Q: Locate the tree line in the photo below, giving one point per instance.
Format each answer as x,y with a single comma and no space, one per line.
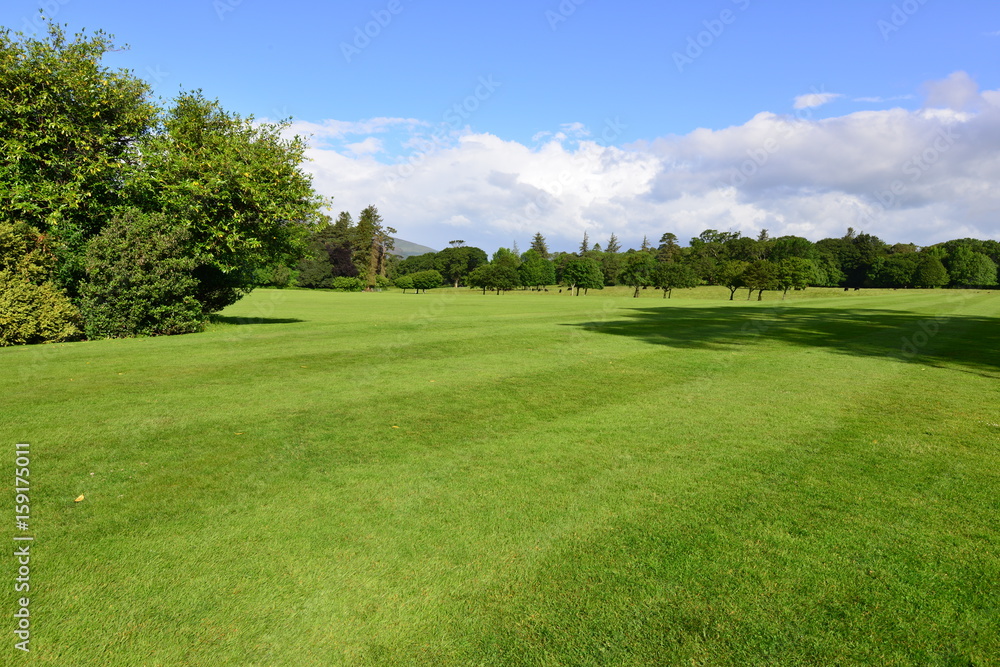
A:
728,259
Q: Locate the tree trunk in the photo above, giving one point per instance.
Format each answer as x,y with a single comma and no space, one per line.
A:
760,295
636,295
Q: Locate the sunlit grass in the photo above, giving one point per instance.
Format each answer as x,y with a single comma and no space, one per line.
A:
529,479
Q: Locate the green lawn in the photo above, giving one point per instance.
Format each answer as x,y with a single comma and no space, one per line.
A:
527,479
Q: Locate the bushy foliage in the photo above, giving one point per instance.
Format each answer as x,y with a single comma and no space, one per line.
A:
32,308
669,276
969,268
139,279
348,284
637,270
425,280
69,130
404,283
536,271
930,272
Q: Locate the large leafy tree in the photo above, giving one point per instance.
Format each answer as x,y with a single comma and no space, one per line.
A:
930,272
457,262
535,270
791,246
235,184
894,271
583,273
969,268
506,265
760,277
637,270
69,132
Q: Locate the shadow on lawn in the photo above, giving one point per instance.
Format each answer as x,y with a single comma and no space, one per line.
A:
972,341
225,319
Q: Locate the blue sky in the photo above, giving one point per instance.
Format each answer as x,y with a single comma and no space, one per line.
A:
490,121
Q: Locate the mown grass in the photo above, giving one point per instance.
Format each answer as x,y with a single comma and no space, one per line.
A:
529,479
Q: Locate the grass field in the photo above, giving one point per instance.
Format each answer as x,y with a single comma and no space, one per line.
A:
527,479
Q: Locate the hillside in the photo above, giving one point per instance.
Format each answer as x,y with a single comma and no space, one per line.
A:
408,249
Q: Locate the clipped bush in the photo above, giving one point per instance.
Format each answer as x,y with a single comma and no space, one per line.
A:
139,280
31,313
32,308
381,282
347,284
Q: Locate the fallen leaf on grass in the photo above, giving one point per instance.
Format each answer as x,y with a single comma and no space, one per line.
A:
79,499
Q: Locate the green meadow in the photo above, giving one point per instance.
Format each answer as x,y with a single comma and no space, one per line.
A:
454,478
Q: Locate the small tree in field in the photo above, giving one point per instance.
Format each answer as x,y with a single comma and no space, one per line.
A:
583,273
637,270
794,272
730,274
404,283
425,280
759,277
481,277
536,271
673,275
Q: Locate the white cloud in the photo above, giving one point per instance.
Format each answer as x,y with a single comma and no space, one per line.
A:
958,92
369,146
880,100
575,129
923,176
329,130
813,100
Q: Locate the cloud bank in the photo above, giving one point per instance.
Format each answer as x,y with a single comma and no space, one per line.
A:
922,176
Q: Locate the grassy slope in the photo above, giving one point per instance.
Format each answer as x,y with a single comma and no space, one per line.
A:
526,479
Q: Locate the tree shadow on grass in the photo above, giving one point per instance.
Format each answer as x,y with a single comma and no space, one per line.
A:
972,341
225,319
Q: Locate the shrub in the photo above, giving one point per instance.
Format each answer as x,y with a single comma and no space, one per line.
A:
381,282
348,284
139,280
31,313
32,308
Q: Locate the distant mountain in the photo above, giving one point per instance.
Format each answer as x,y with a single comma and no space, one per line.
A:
407,249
